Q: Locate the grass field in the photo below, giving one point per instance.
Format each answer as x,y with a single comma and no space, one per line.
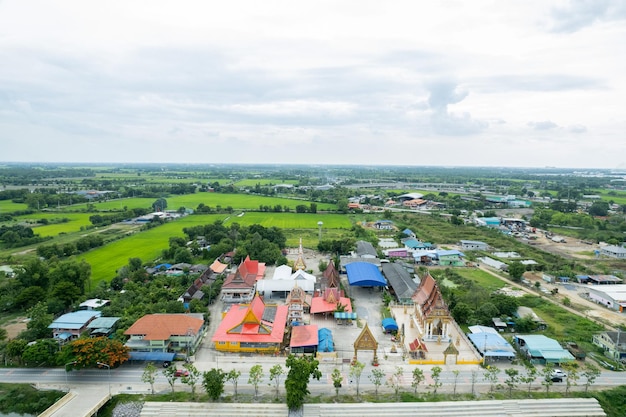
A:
76,220
8,206
147,245
236,201
292,220
484,279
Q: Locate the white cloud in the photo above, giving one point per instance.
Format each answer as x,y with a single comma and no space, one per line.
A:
250,80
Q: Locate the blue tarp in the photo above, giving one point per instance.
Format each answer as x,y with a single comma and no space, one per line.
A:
325,340
390,324
152,356
364,274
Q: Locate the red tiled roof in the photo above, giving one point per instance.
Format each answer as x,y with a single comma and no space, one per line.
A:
304,336
163,326
417,344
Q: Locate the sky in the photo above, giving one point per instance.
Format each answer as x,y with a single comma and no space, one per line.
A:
529,83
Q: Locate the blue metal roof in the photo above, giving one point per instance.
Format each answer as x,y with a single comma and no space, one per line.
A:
75,320
363,274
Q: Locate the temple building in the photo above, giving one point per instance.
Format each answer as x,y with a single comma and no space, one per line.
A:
431,314
254,327
240,286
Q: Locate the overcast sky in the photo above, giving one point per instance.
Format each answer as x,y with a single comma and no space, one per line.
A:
486,83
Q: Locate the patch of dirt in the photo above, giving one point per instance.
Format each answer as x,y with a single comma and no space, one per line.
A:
14,327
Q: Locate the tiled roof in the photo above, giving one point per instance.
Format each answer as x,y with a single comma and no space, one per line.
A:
163,326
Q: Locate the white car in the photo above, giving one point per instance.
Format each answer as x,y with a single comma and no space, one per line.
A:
557,373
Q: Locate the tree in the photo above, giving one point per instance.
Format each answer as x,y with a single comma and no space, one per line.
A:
337,380
516,270
301,369
591,372
546,374
418,378
170,375
15,349
395,379
233,376
213,383
491,375
66,292
37,326
572,375
529,377
149,375
256,375
512,379
377,377
456,378
41,352
356,369
435,373
88,351
191,377
276,372
160,204
474,378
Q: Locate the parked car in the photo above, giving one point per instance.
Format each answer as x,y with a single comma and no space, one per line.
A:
557,375
181,372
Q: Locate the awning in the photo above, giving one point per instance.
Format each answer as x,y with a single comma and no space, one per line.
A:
152,356
345,315
390,324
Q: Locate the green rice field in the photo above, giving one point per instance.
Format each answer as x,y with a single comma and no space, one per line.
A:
192,201
291,220
76,221
8,206
147,245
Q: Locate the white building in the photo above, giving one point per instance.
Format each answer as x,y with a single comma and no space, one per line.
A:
473,245
613,251
611,296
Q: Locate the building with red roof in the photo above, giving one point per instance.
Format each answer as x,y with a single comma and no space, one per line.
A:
240,286
253,327
329,300
304,339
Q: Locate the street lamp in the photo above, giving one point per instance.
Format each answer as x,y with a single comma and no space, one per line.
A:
67,384
109,368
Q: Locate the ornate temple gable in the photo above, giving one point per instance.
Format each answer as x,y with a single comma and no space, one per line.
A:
331,275
366,340
297,295
299,263
331,295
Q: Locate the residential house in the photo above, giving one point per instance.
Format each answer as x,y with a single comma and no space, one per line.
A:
613,344
177,333
103,326
253,327
473,245
71,325
451,258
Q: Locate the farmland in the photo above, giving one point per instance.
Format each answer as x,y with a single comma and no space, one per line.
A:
147,245
8,206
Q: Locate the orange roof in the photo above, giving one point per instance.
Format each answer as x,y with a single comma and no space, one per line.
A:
218,267
245,323
304,336
164,326
320,305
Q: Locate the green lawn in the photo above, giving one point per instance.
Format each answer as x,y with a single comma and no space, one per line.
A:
237,201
